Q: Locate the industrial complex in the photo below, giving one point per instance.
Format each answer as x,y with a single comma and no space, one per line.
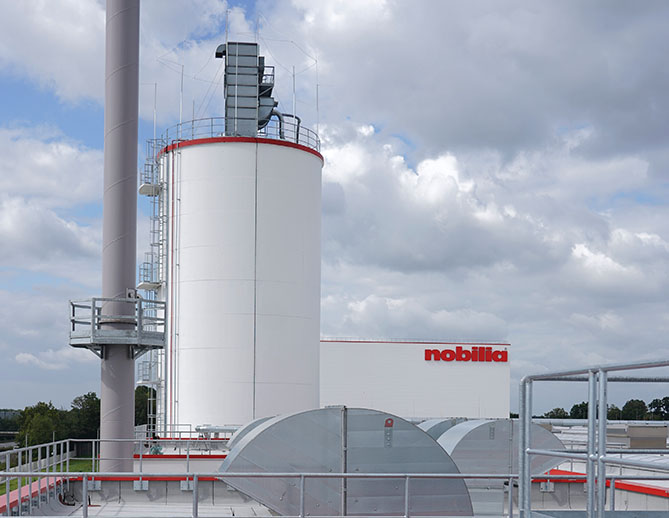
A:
253,413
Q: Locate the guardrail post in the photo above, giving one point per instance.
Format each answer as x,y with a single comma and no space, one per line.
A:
47,468
612,492
195,495
590,466
527,504
188,455
20,468
92,318
521,453
301,496
511,497
601,445
84,495
30,481
406,496
67,464
39,468
60,468
8,458
140,324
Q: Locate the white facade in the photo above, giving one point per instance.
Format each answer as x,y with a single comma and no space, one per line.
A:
417,379
243,279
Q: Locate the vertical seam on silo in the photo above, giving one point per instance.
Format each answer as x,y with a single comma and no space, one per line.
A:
255,278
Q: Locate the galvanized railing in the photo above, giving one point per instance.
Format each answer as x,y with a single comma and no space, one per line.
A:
89,479
290,130
596,457
301,477
144,322
57,481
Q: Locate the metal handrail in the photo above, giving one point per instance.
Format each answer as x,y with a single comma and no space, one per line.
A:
292,131
195,476
144,318
596,458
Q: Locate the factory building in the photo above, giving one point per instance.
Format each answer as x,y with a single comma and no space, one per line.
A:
418,379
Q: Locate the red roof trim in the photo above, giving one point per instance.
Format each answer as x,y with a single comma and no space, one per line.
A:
632,487
192,456
194,439
214,140
418,342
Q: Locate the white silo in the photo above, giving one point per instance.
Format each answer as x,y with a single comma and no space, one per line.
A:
241,257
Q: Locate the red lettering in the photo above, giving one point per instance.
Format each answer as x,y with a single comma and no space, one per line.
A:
448,355
462,355
475,354
499,356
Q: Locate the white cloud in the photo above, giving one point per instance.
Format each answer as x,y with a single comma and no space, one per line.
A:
59,46
42,164
471,247
56,359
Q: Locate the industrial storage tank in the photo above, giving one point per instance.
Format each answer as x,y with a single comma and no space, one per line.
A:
241,260
244,270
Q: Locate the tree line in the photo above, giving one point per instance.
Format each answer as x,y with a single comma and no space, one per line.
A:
632,410
43,422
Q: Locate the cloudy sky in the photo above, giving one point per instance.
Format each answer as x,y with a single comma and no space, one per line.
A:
494,170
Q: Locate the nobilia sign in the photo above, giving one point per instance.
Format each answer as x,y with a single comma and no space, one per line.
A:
473,354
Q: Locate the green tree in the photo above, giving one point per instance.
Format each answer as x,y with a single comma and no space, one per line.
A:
579,411
557,413
84,417
634,410
9,419
41,423
144,396
613,412
659,408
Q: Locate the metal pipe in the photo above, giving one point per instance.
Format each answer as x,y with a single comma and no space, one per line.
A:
8,458
30,482
510,497
607,368
526,447
302,496
39,468
618,379
615,461
590,463
19,466
406,496
566,454
521,442
67,463
612,492
601,445
344,458
84,496
119,225
195,491
279,116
